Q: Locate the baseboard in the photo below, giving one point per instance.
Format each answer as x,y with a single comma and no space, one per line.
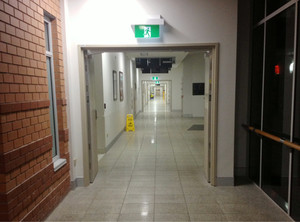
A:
225,181
187,115
78,182
114,140
137,113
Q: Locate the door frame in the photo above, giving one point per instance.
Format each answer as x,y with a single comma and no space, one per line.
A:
213,47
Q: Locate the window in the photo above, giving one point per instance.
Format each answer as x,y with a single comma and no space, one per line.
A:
51,89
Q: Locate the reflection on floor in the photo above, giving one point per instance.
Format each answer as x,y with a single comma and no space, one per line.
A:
155,174
158,104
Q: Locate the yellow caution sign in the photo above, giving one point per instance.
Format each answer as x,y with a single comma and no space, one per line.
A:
130,123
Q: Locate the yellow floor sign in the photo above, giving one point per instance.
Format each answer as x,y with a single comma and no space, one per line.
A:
130,123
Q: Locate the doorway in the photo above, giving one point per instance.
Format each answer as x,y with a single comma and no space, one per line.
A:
210,147
156,97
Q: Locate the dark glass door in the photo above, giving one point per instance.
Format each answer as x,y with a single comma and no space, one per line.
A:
256,101
278,85
295,195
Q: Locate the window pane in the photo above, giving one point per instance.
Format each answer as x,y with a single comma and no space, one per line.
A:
278,79
275,171
295,197
273,5
47,39
256,100
258,10
52,113
277,104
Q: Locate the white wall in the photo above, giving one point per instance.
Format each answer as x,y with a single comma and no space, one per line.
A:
102,22
116,110
193,72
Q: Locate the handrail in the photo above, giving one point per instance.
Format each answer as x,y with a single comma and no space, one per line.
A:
272,137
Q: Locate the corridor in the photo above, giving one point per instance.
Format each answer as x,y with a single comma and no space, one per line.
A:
155,174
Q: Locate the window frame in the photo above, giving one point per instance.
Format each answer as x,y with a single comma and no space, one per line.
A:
58,162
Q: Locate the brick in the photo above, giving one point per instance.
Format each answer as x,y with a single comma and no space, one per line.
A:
33,63
13,3
18,143
12,135
24,44
27,139
17,60
10,98
8,9
10,29
32,46
30,12
6,58
11,184
18,79
18,14
20,33
6,127
17,125
2,26
23,26
5,38
21,52
15,41
4,17
25,62
23,88
8,146
29,54
22,7
25,122
3,47
11,49
3,68
13,68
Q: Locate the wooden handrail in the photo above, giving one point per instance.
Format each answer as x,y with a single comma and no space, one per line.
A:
272,137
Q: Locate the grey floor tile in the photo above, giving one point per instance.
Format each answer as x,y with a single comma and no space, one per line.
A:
156,174
171,217
137,208
101,217
204,209
139,198
136,217
169,198
207,217
170,208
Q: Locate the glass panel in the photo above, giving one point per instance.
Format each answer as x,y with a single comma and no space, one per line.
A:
258,10
277,104
275,171
47,39
278,79
256,100
52,113
273,5
295,197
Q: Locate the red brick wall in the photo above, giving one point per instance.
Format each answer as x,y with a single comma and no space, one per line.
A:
29,187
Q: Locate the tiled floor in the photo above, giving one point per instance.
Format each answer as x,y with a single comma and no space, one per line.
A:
155,174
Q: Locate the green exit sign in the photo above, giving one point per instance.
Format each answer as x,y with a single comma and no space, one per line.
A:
156,82
154,77
146,31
